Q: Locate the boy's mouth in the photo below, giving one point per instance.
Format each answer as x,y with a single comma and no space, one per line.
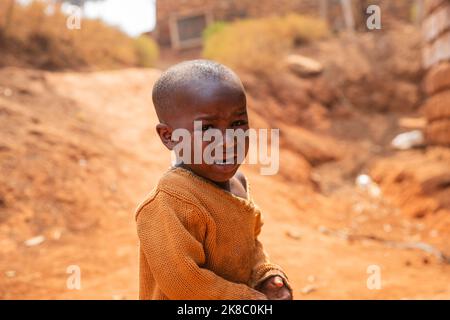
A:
224,162
225,165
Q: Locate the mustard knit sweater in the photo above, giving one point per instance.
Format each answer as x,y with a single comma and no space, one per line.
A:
198,241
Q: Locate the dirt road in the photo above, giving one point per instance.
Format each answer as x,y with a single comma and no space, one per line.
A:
78,152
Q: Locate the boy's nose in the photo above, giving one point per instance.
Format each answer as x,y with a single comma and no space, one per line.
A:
227,144
227,141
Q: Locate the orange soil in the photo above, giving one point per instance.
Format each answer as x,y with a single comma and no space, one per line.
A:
78,152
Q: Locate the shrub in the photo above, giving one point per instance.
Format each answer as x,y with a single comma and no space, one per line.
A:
41,39
146,50
214,28
303,29
258,45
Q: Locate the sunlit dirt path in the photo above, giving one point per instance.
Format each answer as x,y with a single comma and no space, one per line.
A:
117,105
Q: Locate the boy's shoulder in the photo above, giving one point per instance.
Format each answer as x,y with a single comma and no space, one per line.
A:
173,189
179,187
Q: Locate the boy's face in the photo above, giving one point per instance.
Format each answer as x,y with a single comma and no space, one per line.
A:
218,105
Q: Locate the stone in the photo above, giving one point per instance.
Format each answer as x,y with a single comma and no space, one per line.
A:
303,66
438,132
438,51
437,79
170,12
309,289
437,107
436,23
35,241
432,5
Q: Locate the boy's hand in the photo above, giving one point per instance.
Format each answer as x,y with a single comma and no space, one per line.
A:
275,289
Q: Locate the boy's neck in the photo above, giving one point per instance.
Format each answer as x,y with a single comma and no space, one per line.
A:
223,185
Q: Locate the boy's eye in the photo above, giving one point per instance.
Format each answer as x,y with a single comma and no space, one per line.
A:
239,123
206,127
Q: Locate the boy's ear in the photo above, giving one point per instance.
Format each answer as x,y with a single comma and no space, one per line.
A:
165,134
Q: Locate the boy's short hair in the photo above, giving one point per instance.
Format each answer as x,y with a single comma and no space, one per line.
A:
179,76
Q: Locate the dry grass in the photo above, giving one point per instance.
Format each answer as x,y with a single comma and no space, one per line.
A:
147,51
258,45
35,38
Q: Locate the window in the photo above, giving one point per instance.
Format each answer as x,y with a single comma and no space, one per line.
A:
186,31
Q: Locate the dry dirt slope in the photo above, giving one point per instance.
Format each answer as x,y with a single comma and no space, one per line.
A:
78,152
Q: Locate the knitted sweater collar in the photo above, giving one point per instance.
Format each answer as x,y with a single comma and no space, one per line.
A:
209,185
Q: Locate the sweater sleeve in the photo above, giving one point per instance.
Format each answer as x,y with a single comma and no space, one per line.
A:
264,268
171,232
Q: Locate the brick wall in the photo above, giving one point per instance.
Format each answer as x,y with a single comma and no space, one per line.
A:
436,58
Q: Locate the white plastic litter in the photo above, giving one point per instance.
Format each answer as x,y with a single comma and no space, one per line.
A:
408,140
366,184
363,181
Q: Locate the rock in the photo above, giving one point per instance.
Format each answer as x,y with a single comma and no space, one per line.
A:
434,233
437,79
438,132
412,123
7,92
10,273
323,229
432,5
56,234
415,182
34,241
436,23
308,289
438,106
294,234
82,163
314,147
303,66
437,51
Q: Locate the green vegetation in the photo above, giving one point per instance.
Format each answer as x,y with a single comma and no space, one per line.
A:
258,45
147,51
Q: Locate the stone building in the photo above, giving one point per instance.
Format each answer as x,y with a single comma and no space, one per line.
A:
436,59
179,23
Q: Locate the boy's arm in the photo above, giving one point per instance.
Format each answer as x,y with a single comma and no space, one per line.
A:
171,237
263,268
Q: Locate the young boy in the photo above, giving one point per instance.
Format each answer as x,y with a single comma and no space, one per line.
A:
198,229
